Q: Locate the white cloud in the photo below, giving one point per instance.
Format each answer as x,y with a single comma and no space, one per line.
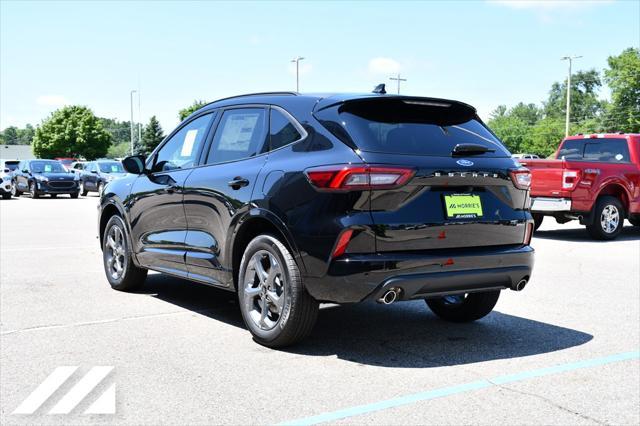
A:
52,100
546,5
384,66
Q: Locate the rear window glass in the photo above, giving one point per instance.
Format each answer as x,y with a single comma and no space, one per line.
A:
405,126
610,150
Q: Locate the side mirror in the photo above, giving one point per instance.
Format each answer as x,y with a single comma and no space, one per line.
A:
134,164
94,172
6,171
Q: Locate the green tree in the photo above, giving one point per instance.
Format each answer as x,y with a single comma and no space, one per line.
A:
151,136
545,137
184,113
119,150
72,131
10,135
511,130
530,114
623,77
25,136
585,104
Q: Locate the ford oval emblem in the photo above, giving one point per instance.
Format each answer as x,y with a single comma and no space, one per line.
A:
465,163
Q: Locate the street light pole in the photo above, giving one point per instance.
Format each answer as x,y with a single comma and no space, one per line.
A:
398,79
297,60
131,101
566,124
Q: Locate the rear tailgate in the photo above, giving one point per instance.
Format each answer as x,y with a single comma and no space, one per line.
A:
547,177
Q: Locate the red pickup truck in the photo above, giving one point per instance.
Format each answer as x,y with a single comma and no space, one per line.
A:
594,179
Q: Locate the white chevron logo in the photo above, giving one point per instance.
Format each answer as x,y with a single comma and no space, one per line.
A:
105,404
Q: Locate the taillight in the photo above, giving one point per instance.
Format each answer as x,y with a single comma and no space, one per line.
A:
521,178
528,232
570,179
350,177
342,244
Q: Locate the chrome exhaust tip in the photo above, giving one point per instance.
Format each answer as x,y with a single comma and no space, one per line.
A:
520,285
389,297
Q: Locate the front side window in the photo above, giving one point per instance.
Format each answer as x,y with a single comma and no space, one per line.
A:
282,131
241,133
181,150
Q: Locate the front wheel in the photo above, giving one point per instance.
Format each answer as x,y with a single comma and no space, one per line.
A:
6,195
537,220
608,218
464,307
275,305
116,254
33,190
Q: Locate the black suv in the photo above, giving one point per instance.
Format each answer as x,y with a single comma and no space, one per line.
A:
96,174
39,177
291,200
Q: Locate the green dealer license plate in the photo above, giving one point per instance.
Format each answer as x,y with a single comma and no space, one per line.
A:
463,206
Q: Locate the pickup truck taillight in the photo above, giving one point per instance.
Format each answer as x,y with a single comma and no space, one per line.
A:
570,179
350,177
521,178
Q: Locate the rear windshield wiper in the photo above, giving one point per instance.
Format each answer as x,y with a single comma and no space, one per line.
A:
463,149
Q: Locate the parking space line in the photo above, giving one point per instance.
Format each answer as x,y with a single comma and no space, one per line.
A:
17,249
466,387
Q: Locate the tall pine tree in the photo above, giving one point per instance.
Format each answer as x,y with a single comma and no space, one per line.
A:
151,136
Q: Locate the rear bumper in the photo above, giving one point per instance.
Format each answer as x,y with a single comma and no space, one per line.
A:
547,204
355,278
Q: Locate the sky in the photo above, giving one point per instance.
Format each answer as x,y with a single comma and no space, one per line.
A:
485,53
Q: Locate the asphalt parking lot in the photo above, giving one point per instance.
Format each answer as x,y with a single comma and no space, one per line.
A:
563,351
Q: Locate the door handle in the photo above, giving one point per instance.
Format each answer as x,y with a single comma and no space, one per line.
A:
172,188
238,182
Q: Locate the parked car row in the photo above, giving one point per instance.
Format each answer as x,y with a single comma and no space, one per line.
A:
50,177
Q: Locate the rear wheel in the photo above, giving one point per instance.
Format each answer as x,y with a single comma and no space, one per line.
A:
6,195
116,254
14,190
74,194
537,220
464,307
83,190
608,218
274,303
33,190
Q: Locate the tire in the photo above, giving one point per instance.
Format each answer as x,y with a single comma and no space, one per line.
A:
54,195
83,190
537,220
635,221
14,190
116,251
100,188
74,194
269,275
33,190
608,218
6,195
469,307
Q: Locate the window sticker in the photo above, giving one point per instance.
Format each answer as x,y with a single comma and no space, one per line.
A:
189,140
619,157
237,132
114,168
47,168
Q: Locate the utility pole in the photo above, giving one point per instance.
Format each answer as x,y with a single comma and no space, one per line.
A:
139,119
398,79
131,101
297,60
566,125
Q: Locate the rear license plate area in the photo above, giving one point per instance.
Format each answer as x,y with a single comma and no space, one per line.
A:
463,206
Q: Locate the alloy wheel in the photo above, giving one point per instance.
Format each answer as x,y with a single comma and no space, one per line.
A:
264,290
610,218
116,253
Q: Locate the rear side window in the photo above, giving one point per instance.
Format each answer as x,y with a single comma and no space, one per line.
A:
282,131
240,134
610,150
406,126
